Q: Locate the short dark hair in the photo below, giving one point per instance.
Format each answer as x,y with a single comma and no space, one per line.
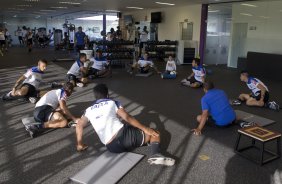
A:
100,91
197,61
208,85
43,61
81,55
68,87
244,72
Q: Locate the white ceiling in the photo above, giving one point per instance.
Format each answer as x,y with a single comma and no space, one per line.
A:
32,8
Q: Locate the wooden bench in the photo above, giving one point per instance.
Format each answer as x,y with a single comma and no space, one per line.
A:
261,136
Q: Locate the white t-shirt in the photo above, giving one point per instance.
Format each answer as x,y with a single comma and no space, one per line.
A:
142,63
33,77
19,33
24,33
75,68
170,66
199,73
144,36
2,35
52,98
99,64
103,117
253,85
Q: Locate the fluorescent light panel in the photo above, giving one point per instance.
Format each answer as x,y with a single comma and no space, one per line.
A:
59,7
134,7
47,10
112,10
249,5
98,17
68,2
246,14
169,4
24,5
213,11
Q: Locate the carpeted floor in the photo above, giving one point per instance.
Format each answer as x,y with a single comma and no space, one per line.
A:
162,104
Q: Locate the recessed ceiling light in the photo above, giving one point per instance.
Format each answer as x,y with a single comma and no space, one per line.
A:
249,5
213,11
133,7
170,4
246,14
47,10
59,7
15,16
68,2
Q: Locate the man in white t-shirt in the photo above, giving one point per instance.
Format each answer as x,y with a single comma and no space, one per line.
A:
143,39
51,110
27,85
118,137
144,65
77,73
197,78
100,66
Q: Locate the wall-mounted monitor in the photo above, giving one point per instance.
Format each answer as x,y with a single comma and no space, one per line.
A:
128,19
156,17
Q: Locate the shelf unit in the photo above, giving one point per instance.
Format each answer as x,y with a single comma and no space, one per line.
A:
161,49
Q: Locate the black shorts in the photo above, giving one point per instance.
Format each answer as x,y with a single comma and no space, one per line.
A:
20,38
192,80
144,70
32,92
2,42
41,40
71,77
29,41
93,71
43,113
127,139
80,47
257,96
141,45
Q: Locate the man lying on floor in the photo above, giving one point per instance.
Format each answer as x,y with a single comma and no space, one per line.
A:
197,77
100,67
216,109
144,65
259,93
51,110
118,137
27,85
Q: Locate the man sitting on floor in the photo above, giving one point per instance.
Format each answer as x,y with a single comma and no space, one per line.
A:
197,77
76,74
27,85
259,96
105,114
100,67
51,110
215,109
144,65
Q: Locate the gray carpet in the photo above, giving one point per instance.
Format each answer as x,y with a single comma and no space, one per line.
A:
162,104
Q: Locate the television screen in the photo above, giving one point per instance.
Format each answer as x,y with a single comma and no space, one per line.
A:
128,19
156,17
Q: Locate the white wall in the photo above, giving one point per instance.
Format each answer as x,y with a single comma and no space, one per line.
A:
168,29
265,20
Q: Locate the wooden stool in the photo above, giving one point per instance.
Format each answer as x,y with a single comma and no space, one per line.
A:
262,136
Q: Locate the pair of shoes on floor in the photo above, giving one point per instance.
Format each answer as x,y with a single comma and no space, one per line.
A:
244,124
8,96
56,85
273,106
159,159
79,84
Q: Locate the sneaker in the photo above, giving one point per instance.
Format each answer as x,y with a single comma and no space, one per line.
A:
71,124
55,85
244,124
33,130
162,76
33,100
236,102
7,96
79,84
159,159
274,106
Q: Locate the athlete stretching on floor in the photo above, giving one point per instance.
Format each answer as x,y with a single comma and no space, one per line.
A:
197,77
118,137
27,85
51,110
259,96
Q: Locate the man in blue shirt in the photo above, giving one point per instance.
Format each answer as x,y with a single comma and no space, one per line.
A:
80,39
215,108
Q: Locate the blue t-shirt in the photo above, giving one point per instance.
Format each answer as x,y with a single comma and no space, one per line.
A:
80,38
217,103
